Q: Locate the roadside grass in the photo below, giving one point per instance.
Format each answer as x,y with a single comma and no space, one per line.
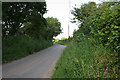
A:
86,59
14,48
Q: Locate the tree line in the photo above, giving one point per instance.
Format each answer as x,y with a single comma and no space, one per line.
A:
23,18
25,30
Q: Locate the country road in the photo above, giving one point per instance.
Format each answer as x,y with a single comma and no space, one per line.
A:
38,65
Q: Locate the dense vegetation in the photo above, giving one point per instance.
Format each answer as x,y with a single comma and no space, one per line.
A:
101,22
94,49
25,30
21,46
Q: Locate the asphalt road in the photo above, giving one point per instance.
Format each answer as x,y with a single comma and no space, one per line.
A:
38,65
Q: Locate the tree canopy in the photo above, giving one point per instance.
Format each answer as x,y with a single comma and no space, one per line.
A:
23,18
53,27
16,13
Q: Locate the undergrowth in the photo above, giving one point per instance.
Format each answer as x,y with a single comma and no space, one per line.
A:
85,58
14,48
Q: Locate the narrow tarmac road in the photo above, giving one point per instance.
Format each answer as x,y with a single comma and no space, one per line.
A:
38,65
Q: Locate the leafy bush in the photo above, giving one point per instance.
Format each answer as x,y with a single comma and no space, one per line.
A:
102,23
106,26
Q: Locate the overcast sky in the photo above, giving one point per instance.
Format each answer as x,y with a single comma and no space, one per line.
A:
60,9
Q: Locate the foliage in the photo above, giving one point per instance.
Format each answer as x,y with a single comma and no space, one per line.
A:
14,14
84,58
27,18
103,23
80,14
36,27
14,48
94,50
53,27
25,30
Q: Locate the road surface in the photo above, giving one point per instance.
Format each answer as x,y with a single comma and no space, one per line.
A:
38,65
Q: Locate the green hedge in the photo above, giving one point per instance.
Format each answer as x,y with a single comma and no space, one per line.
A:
17,47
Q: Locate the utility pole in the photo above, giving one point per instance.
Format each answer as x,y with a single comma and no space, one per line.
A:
68,30
69,20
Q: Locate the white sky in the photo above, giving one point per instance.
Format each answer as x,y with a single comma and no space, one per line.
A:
60,9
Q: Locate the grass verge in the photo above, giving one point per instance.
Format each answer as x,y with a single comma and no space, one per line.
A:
85,59
14,48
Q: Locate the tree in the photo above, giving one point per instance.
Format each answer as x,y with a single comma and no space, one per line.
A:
27,19
15,14
53,27
81,14
35,27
